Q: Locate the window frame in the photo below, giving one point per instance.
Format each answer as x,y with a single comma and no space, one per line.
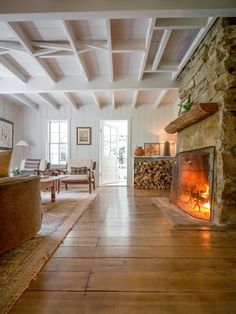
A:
49,143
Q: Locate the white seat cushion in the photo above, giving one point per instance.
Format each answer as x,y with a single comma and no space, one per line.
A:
76,177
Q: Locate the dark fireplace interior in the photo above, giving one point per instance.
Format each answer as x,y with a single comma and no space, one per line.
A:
192,182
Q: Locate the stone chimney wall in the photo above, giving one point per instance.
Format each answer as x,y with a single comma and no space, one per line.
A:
210,76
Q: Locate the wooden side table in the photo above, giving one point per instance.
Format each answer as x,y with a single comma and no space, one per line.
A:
49,184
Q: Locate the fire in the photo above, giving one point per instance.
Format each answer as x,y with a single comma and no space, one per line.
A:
206,193
207,205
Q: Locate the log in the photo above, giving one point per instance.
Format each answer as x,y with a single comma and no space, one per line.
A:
153,174
197,113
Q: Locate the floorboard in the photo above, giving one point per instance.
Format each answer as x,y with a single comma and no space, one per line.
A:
124,257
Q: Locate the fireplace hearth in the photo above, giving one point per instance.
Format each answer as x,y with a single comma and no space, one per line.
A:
192,182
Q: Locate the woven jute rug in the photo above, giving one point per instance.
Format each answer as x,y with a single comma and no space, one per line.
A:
20,265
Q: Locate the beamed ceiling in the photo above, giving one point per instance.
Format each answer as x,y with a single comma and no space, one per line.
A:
106,59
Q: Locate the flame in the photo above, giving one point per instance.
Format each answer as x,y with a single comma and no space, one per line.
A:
207,205
206,193
207,190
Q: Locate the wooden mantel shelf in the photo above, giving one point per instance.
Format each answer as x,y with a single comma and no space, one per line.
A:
197,113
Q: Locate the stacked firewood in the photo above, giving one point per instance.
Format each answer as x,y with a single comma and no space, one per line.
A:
153,174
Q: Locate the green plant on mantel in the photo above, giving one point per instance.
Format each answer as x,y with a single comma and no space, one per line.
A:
186,106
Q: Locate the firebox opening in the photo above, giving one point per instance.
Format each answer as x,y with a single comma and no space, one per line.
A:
192,182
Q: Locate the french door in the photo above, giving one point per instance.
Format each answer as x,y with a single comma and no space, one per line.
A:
114,139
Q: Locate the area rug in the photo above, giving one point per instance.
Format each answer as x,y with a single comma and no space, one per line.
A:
20,265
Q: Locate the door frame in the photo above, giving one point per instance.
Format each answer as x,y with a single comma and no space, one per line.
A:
129,172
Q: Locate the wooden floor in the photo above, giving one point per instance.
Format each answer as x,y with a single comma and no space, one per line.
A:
123,256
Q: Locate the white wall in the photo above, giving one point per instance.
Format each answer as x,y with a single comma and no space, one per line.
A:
145,124
15,114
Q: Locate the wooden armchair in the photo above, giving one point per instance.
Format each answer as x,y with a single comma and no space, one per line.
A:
33,166
79,172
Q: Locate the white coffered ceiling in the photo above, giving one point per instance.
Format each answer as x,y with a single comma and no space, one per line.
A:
96,58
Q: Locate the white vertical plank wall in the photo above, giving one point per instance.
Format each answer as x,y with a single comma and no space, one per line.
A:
147,123
15,114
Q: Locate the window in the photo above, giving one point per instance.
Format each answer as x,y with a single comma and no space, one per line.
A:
58,139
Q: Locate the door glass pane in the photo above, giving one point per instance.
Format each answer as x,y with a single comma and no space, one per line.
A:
106,149
106,134
113,135
113,149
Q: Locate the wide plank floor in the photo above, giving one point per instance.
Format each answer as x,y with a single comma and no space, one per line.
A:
123,256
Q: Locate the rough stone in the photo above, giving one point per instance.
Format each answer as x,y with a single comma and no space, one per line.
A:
229,161
213,70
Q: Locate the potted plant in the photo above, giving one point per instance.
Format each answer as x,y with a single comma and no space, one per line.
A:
186,106
16,171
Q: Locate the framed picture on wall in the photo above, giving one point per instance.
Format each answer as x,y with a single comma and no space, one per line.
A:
152,149
6,134
83,136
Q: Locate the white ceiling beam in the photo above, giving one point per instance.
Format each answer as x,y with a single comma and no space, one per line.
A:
73,42
52,45
21,36
13,69
201,34
96,44
95,99
43,51
25,100
11,45
60,54
161,48
177,23
76,83
71,100
109,44
135,97
26,43
3,52
164,67
128,50
48,99
151,25
16,10
63,45
160,97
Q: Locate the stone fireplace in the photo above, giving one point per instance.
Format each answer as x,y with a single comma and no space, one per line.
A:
209,77
192,182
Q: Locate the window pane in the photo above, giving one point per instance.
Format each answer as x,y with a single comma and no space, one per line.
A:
63,152
54,137
63,138
63,126
55,159
54,126
58,142
54,149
